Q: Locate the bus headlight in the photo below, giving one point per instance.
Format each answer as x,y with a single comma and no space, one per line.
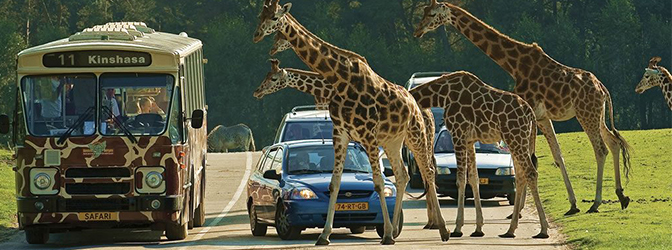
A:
504,171
153,179
389,192
303,194
42,181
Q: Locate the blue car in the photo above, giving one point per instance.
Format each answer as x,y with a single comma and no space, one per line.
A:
289,189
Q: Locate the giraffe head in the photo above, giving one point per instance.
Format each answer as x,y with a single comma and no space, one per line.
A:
274,81
271,18
435,15
279,45
652,76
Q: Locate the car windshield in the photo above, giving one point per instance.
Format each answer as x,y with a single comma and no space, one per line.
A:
444,144
137,103
308,130
320,159
56,103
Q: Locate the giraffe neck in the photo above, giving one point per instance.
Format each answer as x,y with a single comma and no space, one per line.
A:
513,56
666,86
320,56
309,82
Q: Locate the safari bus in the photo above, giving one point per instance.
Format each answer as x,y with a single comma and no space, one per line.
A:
110,131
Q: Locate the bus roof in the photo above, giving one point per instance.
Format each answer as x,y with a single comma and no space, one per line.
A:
131,35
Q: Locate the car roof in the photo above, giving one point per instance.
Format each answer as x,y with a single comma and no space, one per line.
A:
307,143
414,80
307,113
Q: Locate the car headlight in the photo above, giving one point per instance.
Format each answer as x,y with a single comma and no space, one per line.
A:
389,192
153,179
504,171
303,194
442,170
42,181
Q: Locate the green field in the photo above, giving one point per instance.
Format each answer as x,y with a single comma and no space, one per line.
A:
8,222
645,224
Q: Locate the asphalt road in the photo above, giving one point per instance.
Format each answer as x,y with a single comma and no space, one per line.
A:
227,224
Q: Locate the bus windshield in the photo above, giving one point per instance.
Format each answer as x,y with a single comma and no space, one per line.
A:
137,103
55,103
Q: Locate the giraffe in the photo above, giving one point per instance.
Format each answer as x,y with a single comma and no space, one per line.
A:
655,75
475,111
556,92
365,108
304,81
279,44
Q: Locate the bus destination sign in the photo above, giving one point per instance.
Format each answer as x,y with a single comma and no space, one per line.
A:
96,58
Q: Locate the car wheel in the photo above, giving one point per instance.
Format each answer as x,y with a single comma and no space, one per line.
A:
358,230
257,228
380,229
512,198
37,235
285,231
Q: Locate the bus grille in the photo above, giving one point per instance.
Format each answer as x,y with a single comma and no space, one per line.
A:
98,188
97,173
96,205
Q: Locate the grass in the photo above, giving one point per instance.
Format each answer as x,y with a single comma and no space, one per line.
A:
8,223
645,224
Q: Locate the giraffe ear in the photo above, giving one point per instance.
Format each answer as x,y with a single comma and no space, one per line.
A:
434,3
275,64
285,8
654,62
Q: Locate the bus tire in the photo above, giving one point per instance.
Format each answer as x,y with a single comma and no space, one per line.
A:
37,235
176,231
199,214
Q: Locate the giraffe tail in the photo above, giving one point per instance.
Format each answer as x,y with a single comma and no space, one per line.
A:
626,149
417,197
432,167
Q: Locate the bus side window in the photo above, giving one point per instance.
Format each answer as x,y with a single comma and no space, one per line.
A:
175,125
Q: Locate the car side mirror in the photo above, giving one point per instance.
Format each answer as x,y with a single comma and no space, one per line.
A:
272,175
197,118
388,172
4,124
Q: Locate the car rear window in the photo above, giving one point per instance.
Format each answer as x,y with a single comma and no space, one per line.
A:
308,130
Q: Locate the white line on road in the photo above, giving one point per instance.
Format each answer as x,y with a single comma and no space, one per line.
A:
236,196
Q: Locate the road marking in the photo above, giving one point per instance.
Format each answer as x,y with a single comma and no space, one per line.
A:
236,196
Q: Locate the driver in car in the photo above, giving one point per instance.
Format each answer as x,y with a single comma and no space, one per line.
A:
300,162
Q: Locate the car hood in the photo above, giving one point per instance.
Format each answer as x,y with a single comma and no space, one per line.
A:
483,160
320,182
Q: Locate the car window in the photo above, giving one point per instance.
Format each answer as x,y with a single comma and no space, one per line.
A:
308,130
277,161
444,144
320,159
268,159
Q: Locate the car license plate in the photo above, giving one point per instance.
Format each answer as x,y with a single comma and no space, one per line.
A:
98,216
484,181
354,206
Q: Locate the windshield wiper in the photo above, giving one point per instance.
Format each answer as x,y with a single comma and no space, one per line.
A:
77,124
445,151
308,171
121,126
488,151
356,171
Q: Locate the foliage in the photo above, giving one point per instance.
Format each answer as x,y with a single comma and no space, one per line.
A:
645,224
8,222
614,39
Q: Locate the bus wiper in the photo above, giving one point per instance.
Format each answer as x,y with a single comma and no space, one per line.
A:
77,124
121,126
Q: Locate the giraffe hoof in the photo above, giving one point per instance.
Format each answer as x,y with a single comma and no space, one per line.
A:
477,234
456,234
511,216
572,210
431,226
591,211
625,202
445,236
387,241
322,242
541,236
507,235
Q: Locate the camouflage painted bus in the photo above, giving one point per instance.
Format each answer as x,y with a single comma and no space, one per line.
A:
109,131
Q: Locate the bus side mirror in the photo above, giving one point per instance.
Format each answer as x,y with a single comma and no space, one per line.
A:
4,124
197,118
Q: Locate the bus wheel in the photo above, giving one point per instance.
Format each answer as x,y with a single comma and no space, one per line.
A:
37,235
199,214
176,231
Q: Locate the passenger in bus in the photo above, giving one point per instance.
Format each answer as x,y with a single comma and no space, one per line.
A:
111,102
52,103
149,106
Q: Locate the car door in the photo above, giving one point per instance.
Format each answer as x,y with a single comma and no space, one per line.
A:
273,186
254,183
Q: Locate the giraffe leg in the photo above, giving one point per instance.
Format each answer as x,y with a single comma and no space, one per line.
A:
614,146
393,151
424,157
378,186
473,180
546,128
532,183
520,200
461,157
340,150
521,183
591,125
